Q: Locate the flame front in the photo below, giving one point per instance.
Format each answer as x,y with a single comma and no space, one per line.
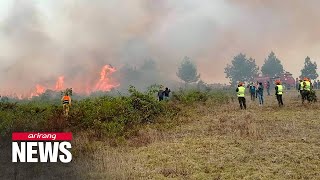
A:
40,89
104,83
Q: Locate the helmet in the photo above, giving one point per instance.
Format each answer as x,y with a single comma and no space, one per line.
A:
305,79
277,81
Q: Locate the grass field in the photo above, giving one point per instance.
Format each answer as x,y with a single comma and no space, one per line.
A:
219,142
196,135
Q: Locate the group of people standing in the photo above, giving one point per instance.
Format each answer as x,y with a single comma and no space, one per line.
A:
305,89
315,84
256,91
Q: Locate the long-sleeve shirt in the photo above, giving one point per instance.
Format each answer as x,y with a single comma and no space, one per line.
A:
166,92
260,90
252,89
276,88
160,93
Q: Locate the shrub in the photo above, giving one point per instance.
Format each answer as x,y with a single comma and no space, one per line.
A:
106,116
194,96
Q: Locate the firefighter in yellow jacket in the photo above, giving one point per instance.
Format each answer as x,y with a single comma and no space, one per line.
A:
241,95
279,92
66,103
306,89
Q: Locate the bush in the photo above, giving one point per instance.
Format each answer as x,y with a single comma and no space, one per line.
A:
106,116
194,96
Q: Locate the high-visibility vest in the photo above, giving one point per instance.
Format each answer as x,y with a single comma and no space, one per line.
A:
280,89
241,91
308,86
66,99
301,85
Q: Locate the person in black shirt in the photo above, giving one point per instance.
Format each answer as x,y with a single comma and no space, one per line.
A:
166,93
161,93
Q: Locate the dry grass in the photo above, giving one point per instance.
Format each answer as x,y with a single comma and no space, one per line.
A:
221,142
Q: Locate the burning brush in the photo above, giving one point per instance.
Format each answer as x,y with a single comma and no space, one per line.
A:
104,83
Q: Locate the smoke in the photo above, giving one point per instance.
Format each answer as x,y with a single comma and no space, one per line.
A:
41,41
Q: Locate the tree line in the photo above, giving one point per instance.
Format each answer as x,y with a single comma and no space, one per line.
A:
243,68
246,69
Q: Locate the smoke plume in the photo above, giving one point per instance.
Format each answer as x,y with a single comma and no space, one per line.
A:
41,41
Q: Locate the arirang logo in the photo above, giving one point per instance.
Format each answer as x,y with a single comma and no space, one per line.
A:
41,147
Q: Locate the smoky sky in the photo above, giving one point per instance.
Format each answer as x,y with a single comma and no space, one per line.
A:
76,38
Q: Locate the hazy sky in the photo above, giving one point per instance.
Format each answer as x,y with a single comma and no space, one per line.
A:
42,35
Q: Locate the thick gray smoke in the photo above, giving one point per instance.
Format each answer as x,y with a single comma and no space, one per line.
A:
41,40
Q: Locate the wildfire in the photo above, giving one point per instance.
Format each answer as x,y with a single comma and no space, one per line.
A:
40,89
104,83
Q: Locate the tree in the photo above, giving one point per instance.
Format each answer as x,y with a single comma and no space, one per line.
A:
241,69
272,66
188,71
310,69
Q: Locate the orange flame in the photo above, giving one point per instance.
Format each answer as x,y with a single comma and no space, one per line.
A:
105,83
40,89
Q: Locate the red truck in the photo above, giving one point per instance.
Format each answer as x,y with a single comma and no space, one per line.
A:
286,78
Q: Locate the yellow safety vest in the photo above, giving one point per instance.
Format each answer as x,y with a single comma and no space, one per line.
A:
308,86
301,85
280,89
241,91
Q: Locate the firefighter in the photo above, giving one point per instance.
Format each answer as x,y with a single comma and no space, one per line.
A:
306,90
241,95
279,92
312,94
300,88
66,103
